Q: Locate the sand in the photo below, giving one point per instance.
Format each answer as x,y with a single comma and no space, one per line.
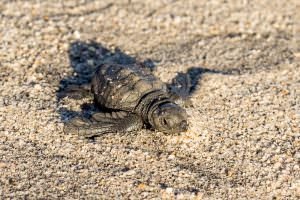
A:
243,141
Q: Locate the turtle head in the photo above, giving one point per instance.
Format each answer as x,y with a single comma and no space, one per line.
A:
169,118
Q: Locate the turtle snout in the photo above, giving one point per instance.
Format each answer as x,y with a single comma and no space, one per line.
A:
183,125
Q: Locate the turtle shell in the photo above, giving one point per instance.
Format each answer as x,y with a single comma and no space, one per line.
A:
123,86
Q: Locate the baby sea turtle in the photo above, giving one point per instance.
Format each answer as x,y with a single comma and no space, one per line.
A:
130,96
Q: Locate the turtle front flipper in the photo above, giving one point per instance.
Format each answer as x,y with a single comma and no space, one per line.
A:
76,91
179,89
101,123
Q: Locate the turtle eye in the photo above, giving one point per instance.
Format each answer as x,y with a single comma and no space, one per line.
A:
165,122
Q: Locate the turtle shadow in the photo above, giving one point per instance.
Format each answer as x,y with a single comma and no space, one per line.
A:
86,57
195,75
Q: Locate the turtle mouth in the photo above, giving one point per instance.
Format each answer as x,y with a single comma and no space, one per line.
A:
179,127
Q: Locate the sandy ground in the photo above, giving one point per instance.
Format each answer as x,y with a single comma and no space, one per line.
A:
243,140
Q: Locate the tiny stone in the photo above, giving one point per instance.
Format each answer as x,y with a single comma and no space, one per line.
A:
169,190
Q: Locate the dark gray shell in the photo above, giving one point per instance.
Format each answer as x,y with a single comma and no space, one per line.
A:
123,86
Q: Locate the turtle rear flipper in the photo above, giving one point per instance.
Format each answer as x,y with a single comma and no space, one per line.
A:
180,88
102,123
